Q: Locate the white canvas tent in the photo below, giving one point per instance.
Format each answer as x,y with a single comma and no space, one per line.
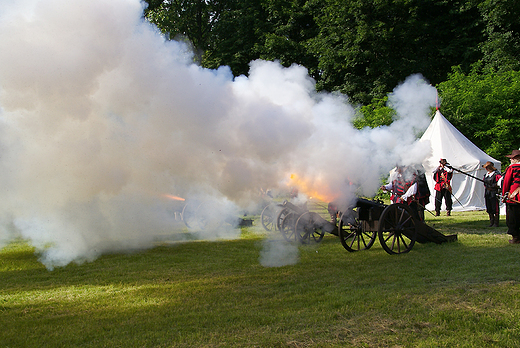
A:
447,142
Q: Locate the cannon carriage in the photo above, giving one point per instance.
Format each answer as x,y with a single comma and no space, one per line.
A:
208,215
396,226
297,223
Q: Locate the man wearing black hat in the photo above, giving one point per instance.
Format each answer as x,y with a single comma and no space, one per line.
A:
442,176
510,193
491,179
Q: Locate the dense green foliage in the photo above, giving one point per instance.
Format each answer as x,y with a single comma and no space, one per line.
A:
367,47
489,111
361,48
470,49
375,114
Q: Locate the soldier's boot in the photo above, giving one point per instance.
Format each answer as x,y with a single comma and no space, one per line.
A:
491,220
497,219
515,240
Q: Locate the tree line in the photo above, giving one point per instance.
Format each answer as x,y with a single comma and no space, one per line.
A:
468,49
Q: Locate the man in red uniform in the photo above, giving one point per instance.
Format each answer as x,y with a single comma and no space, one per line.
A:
442,176
510,192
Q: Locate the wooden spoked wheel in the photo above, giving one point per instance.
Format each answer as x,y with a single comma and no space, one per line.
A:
268,217
281,215
397,231
189,214
352,233
309,228
209,216
288,227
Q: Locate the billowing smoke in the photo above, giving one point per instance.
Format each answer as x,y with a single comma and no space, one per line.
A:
100,118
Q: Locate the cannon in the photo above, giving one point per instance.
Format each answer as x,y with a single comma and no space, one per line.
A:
297,222
209,215
358,226
302,225
396,225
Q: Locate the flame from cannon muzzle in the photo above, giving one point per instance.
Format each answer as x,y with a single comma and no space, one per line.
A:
315,189
175,198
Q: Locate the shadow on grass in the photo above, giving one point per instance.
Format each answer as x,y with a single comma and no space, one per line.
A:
194,291
478,254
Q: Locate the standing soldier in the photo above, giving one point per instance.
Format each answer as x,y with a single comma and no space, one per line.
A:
491,179
442,176
510,192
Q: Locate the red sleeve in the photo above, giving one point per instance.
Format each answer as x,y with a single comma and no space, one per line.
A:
507,180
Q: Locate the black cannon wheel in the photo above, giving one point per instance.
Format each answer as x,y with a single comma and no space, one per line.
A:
209,216
309,228
288,227
397,232
189,214
352,233
281,215
268,217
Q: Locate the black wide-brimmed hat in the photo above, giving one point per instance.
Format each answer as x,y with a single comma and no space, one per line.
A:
514,153
489,165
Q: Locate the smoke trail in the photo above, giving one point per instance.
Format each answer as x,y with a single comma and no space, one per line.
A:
100,116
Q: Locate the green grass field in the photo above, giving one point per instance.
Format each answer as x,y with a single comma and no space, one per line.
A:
217,294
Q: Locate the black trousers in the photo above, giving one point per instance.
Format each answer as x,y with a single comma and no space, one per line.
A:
513,219
417,211
439,195
492,205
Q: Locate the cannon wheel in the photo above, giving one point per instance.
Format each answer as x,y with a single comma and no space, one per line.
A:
209,217
288,227
308,228
189,214
281,215
268,217
352,233
397,232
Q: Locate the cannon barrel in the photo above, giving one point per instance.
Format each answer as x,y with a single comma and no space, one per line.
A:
317,222
298,210
312,220
368,210
366,203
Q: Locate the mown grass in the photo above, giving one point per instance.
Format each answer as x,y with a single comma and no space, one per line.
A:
217,294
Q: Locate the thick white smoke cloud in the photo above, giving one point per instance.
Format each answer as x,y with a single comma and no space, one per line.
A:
100,116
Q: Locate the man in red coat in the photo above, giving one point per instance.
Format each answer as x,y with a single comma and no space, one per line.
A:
510,192
442,176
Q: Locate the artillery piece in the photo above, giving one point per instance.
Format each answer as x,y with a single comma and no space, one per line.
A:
358,227
296,222
209,215
303,225
395,225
